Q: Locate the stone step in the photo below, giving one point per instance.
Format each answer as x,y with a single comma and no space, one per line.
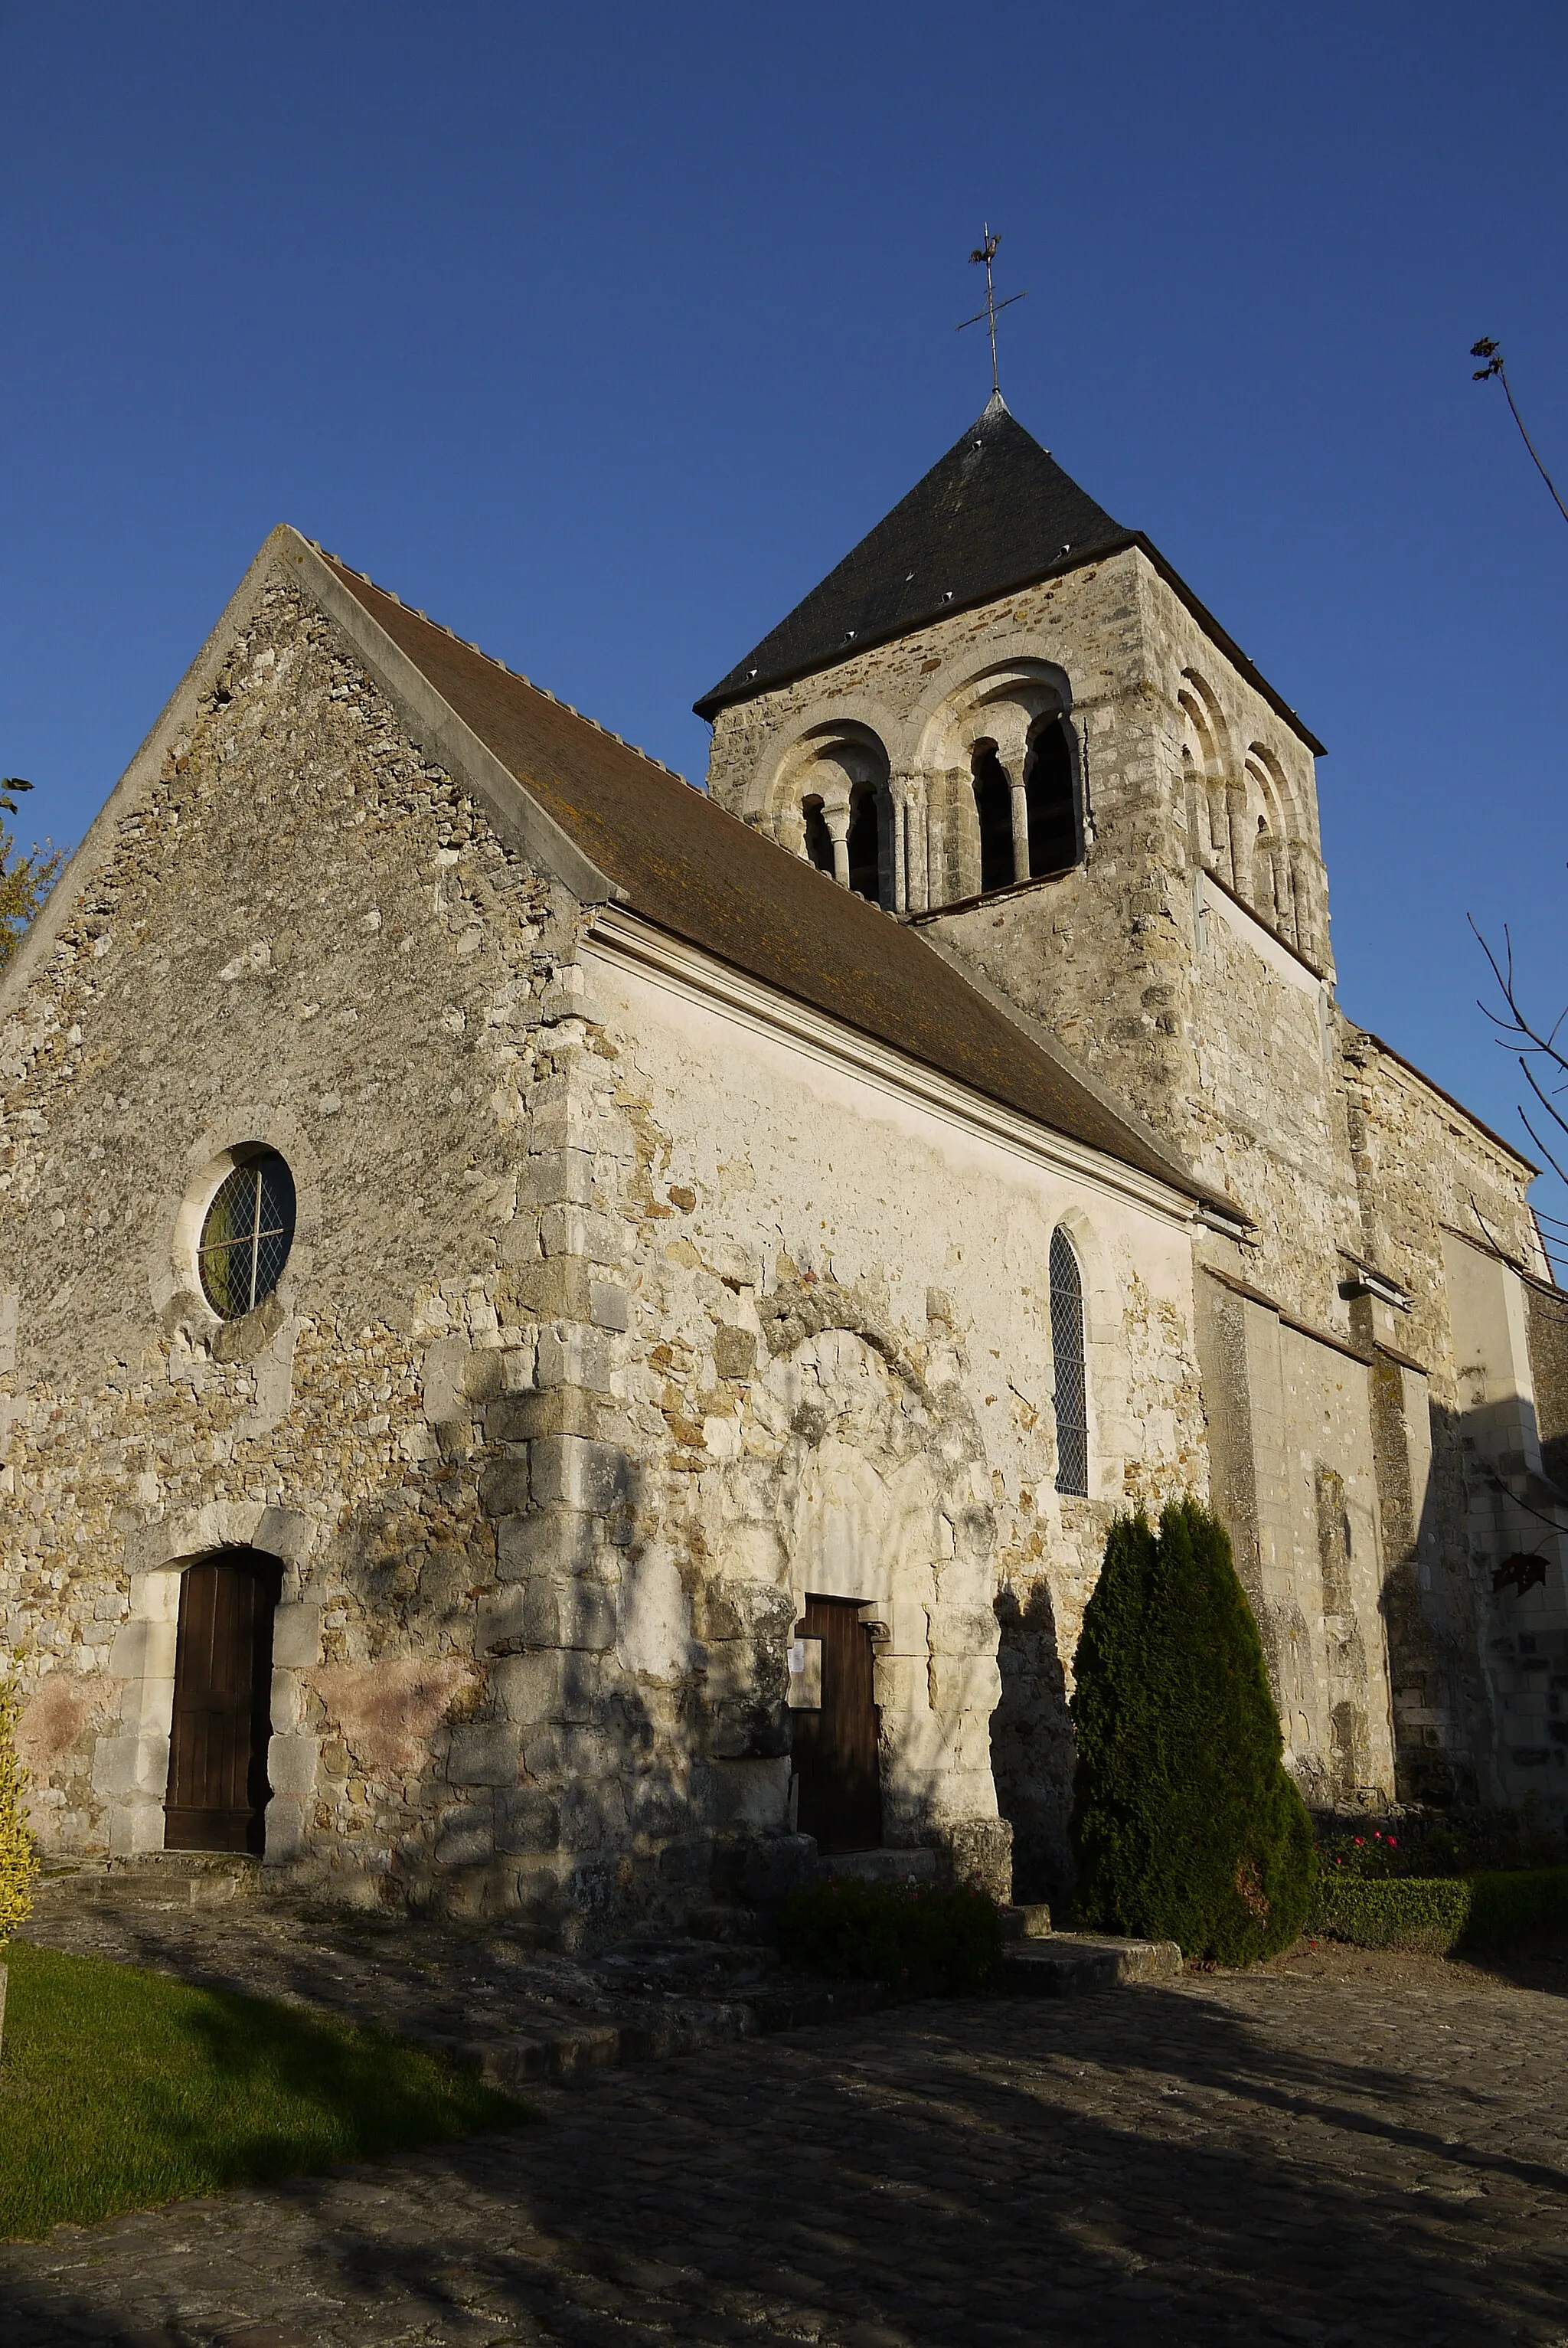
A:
576,2051
1028,1922
181,1878
1076,1964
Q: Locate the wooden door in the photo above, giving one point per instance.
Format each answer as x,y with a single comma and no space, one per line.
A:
834,1749
218,1788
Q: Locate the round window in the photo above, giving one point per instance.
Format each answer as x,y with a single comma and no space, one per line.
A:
246,1237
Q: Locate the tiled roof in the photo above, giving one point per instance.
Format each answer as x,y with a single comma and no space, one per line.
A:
701,874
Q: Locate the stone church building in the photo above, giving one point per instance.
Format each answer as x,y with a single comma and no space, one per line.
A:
560,1334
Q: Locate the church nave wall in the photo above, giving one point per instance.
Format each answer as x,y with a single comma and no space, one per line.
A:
840,1362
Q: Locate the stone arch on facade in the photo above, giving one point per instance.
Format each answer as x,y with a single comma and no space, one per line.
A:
130,1762
830,800
1265,880
1208,766
882,1497
1281,878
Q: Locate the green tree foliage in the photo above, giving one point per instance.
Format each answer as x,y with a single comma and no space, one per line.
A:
1185,1825
24,880
18,1851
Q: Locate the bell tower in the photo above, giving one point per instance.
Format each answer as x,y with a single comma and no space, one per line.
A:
1005,719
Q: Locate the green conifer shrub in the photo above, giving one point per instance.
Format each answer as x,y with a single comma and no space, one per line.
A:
18,1851
1185,1825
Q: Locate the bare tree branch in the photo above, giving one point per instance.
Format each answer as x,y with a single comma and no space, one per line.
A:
1490,351
1545,1152
1530,1044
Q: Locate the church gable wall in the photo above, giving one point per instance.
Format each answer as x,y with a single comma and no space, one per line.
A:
302,934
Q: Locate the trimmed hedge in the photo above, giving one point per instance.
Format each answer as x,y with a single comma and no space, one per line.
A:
1395,1911
1491,1912
919,1941
1185,1825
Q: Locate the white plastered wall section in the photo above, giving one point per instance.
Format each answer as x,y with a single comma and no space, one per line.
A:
1510,1513
811,1147
1328,1470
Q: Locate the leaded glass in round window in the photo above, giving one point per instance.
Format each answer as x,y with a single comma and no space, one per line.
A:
246,1237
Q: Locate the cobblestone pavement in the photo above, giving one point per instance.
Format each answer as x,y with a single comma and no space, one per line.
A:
527,2014
1338,2149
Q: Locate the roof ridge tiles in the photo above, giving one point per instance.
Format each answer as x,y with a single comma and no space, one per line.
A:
471,644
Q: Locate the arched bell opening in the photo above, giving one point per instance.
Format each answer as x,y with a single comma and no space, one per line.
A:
993,807
818,839
1051,793
830,802
869,845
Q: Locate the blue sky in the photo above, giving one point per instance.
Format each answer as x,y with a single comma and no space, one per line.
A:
603,333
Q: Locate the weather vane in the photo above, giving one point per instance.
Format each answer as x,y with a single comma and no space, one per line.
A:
987,254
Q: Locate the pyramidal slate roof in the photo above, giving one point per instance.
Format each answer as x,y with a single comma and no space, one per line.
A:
995,513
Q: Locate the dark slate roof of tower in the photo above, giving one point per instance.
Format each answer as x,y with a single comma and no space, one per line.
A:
995,513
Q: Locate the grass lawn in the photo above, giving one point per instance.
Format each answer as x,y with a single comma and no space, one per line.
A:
120,2088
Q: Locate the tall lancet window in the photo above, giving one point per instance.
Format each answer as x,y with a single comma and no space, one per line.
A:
1071,1396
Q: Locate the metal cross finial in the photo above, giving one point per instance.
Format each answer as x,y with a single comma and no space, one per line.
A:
986,252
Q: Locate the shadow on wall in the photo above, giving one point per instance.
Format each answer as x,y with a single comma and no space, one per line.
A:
474,1717
1434,1631
1472,1605
563,1787
1032,1751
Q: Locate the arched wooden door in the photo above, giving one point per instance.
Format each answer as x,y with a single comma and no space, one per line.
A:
217,1788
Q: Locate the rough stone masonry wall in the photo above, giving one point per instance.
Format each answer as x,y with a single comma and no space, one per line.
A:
1425,1168
303,934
